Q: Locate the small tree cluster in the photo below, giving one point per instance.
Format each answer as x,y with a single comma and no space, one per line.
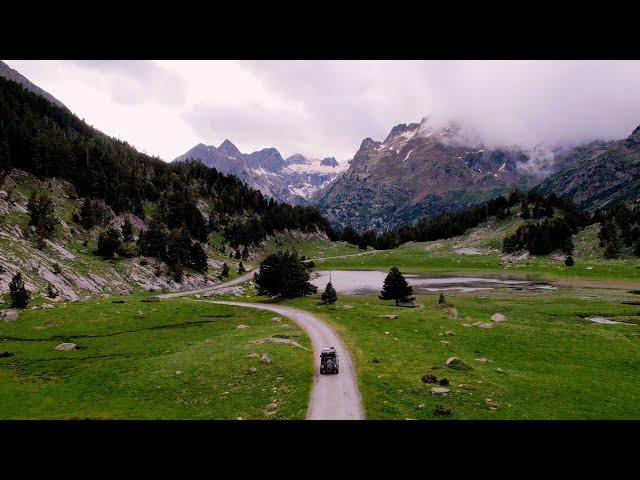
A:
283,274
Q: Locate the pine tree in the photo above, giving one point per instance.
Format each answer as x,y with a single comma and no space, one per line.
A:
127,230
526,214
636,250
611,249
153,242
87,215
569,261
238,255
441,299
19,294
396,288
241,269
225,271
42,214
329,296
245,253
198,257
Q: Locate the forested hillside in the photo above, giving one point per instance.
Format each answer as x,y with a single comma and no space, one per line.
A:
177,208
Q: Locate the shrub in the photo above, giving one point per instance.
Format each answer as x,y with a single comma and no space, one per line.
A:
441,299
569,261
51,291
441,411
429,378
444,382
144,262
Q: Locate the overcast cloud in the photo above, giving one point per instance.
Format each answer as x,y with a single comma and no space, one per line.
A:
326,108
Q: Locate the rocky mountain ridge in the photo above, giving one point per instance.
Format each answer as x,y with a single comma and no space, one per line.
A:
293,180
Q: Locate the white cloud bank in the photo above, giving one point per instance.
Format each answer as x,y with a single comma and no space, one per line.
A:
326,108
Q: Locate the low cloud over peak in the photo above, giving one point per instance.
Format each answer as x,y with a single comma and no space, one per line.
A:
326,108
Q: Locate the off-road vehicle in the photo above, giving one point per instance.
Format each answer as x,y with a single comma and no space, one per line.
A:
329,361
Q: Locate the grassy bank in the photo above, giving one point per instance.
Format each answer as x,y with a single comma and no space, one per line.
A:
176,359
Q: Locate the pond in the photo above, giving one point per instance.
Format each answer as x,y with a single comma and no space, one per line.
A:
368,281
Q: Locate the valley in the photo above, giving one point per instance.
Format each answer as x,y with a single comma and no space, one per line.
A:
468,281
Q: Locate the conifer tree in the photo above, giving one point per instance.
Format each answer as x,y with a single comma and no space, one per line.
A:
225,271
396,288
329,296
127,230
569,261
241,269
19,294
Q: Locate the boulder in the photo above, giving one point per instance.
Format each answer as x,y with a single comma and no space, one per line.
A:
66,347
457,364
242,326
10,315
271,408
498,317
47,306
389,316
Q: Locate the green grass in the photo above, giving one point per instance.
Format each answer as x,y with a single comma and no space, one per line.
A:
126,365
424,258
310,247
555,364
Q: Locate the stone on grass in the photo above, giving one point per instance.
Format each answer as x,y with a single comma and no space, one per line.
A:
10,315
242,326
253,369
276,319
440,390
389,316
457,364
482,360
253,355
265,358
271,408
47,306
483,325
498,317
66,347
449,333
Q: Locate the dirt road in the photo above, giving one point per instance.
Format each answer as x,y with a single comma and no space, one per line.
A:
236,281
333,397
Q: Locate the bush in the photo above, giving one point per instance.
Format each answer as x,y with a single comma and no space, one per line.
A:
444,382
56,269
51,291
19,294
441,411
429,378
441,299
144,262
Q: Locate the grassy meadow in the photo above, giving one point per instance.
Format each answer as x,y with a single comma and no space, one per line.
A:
175,359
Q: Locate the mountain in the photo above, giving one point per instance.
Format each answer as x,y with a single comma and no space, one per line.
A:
418,171
293,180
10,74
599,174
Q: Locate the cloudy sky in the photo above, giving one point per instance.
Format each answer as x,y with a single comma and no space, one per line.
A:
326,108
